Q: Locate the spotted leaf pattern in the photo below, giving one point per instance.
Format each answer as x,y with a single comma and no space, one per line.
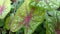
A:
5,6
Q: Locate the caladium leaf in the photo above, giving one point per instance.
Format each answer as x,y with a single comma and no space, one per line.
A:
35,22
5,6
18,19
47,4
53,21
27,16
9,19
50,25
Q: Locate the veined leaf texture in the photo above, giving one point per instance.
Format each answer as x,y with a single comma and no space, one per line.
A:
5,6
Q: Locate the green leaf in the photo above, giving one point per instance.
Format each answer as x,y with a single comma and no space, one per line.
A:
7,5
46,4
35,22
7,23
50,25
9,20
16,23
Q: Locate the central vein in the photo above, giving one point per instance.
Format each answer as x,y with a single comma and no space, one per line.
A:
28,17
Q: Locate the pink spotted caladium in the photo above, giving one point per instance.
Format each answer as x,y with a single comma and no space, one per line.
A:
5,6
2,7
26,16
